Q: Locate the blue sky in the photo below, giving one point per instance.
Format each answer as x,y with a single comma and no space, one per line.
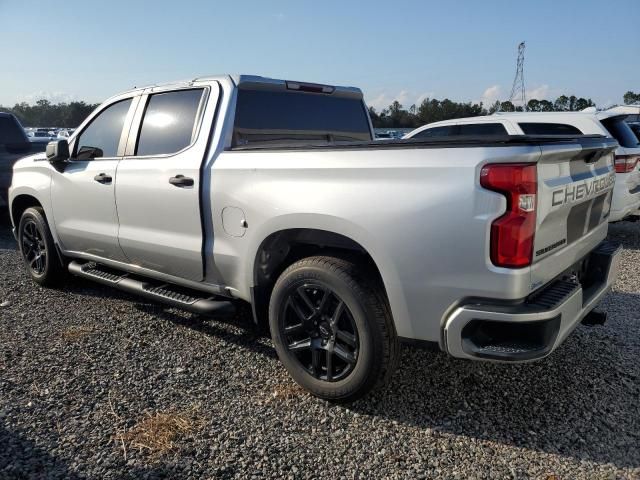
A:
405,50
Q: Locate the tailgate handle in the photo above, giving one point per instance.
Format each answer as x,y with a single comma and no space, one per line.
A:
592,157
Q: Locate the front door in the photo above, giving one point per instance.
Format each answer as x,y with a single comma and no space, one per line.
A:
83,194
158,182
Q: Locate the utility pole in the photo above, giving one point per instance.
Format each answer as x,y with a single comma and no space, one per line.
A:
517,90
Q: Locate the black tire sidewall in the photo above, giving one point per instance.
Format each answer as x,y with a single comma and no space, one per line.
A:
365,371
50,269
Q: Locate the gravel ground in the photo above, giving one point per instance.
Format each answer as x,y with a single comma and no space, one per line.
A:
87,374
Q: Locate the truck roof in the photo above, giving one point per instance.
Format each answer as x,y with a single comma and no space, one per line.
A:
260,82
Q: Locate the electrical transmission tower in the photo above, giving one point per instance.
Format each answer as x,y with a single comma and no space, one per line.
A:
517,90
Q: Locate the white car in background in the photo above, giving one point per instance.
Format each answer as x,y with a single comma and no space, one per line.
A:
625,202
631,111
40,136
65,133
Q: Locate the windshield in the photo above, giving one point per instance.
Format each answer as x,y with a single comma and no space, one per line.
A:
284,117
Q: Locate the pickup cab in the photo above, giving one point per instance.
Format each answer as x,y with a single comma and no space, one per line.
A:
232,189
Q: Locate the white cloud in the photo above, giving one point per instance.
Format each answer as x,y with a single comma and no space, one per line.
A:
424,96
406,98
491,94
496,92
383,98
53,97
543,92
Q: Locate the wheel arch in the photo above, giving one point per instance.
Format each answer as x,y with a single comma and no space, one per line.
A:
282,247
25,197
20,203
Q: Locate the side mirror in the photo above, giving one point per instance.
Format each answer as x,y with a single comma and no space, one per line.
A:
57,152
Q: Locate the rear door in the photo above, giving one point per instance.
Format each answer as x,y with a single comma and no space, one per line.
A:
159,181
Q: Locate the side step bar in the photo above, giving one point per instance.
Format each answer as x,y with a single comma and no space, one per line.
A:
162,292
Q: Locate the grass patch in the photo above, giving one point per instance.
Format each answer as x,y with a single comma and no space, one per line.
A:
286,392
157,433
73,334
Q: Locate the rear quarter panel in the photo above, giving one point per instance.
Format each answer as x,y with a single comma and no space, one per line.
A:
420,214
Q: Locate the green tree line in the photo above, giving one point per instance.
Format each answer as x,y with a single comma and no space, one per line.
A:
70,115
47,114
433,110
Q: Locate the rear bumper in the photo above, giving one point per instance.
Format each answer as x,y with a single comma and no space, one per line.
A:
533,327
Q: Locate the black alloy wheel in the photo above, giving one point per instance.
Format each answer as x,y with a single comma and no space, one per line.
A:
41,259
34,248
320,331
332,327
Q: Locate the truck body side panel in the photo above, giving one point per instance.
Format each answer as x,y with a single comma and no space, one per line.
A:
413,213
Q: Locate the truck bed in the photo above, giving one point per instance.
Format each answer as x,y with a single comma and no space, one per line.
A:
443,142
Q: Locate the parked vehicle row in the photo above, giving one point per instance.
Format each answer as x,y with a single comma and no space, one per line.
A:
206,193
388,135
625,201
37,134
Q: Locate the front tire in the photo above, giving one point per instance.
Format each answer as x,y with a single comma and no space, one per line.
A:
38,248
332,328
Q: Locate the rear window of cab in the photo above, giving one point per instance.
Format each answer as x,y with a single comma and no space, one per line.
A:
271,117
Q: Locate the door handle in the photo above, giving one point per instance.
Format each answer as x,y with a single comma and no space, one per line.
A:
181,181
103,178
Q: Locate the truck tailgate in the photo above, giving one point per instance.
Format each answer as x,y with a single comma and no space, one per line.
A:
575,185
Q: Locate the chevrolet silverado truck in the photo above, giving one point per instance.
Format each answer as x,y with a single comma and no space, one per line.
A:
224,189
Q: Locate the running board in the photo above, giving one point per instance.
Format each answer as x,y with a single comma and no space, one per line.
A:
173,295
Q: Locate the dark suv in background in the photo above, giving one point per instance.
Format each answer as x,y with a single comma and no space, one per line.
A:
14,144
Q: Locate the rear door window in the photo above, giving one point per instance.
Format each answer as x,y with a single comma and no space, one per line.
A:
169,122
549,129
619,129
444,131
102,137
482,129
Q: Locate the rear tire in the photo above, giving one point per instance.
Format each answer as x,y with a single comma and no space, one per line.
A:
38,249
332,328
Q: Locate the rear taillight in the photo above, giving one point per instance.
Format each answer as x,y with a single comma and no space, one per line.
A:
512,234
626,163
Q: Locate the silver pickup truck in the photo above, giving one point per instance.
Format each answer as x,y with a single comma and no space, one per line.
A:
243,188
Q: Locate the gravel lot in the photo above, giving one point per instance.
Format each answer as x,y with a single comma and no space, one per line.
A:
98,384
